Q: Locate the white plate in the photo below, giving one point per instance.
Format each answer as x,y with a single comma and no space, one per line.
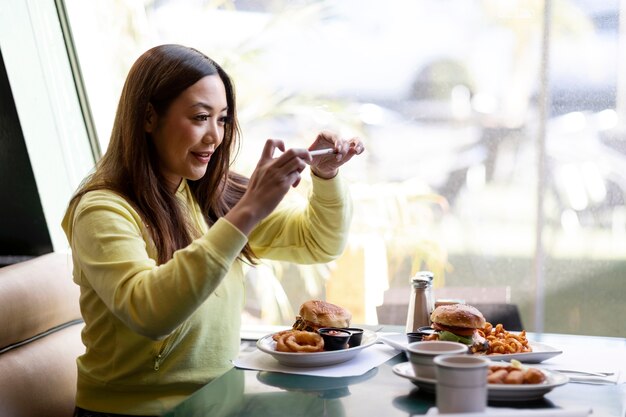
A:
268,345
495,392
540,352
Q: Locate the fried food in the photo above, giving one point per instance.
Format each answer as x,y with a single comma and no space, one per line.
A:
496,376
533,376
299,342
516,375
278,335
280,341
502,342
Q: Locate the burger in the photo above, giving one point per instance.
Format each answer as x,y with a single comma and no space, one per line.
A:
459,323
315,314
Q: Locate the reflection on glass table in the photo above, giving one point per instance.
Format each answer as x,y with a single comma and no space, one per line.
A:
326,388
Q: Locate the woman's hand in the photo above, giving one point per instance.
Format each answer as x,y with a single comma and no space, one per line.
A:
268,184
327,166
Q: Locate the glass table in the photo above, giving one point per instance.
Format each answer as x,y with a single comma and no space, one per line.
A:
380,392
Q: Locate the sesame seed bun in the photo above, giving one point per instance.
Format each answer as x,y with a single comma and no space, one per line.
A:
458,315
315,314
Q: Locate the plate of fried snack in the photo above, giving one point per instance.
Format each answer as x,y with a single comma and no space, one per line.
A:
505,381
506,346
465,324
319,327
516,382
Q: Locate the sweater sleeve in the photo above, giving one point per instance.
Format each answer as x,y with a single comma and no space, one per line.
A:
107,241
314,233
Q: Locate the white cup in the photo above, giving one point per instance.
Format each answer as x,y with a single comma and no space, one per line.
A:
461,383
421,355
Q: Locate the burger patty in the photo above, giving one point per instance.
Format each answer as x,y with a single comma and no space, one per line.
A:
478,343
304,325
461,331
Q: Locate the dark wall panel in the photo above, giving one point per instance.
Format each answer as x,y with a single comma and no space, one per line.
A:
23,229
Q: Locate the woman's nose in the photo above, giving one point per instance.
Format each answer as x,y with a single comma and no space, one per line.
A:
213,133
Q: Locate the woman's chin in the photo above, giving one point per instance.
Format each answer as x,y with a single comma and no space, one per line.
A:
196,174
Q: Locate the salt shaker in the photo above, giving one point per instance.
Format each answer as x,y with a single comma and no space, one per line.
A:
421,301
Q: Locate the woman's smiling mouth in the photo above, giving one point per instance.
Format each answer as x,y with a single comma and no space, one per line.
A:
203,157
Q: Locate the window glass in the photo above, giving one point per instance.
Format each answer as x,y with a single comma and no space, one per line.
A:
495,142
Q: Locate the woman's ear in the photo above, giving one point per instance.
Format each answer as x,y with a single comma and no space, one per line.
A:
150,120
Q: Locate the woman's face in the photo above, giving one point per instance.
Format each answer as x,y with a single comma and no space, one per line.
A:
190,131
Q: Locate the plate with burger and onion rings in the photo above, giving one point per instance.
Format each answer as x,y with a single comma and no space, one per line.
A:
465,324
318,325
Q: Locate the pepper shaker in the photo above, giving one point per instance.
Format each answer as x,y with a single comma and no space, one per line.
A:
421,301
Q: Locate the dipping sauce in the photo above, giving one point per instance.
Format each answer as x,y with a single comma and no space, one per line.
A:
356,336
418,335
334,339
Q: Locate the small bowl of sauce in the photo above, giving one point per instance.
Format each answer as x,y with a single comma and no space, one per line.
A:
419,334
334,338
356,336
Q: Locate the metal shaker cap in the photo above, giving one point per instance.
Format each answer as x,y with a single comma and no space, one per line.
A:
422,279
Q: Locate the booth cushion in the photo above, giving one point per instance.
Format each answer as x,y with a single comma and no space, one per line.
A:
40,325
39,378
35,296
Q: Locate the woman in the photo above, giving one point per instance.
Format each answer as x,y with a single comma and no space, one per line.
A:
160,230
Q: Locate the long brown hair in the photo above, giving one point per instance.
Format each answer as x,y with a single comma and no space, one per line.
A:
130,168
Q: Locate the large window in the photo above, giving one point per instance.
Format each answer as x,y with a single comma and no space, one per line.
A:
494,131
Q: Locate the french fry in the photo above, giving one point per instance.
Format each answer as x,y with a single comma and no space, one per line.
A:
503,342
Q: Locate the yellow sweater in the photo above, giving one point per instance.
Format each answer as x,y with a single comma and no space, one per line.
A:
155,334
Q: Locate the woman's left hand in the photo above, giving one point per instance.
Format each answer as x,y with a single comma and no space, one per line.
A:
327,166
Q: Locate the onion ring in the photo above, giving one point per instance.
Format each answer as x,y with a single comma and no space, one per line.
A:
300,342
280,343
278,335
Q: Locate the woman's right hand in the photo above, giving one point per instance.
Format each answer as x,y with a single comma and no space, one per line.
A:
268,184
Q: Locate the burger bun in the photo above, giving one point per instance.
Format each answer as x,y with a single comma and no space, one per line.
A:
315,314
458,315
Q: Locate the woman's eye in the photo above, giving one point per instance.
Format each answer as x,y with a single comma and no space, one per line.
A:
202,117
224,119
